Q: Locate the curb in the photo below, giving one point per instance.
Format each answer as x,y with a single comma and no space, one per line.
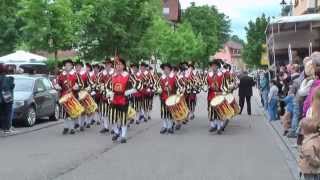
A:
32,129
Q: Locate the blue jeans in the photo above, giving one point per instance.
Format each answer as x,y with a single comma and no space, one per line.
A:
264,95
272,109
295,116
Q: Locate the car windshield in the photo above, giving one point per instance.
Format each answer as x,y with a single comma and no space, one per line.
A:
23,84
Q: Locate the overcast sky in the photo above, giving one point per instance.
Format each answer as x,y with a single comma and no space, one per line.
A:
240,11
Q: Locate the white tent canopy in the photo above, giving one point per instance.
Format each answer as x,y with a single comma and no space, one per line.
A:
22,56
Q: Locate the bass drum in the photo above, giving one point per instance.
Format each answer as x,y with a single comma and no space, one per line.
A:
71,105
178,108
222,107
233,103
87,102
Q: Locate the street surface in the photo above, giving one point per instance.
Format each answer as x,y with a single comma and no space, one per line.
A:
248,150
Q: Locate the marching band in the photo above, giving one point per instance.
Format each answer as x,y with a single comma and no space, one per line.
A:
115,96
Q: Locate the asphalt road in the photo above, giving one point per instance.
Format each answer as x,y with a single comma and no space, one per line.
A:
248,150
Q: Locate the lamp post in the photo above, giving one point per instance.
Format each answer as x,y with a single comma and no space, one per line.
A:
283,4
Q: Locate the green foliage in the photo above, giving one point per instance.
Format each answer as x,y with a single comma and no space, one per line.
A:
51,25
211,25
10,24
235,38
253,49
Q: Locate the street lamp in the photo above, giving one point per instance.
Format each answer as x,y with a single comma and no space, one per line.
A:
283,3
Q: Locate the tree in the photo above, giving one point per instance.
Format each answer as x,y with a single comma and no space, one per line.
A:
236,38
118,27
50,25
211,25
10,25
253,49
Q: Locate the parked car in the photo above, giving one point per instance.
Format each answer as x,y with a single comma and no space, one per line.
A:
34,98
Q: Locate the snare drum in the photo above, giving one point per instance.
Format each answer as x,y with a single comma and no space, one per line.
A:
222,107
233,103
71,105
87,102
178,108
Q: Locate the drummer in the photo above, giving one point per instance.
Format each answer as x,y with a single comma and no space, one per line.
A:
137,98
67,82
82,76
214,80
103,78
191,96
121,88
146,91
168,87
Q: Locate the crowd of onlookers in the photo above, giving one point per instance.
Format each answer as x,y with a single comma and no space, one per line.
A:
6,98
292,94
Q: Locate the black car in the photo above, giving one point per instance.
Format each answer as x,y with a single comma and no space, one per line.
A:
34,98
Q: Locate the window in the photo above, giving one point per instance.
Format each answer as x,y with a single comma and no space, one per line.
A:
47,84
39,86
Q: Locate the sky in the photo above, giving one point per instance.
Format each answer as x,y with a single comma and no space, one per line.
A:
240,12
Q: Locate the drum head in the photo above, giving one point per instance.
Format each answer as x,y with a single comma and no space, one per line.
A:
172,100
64,98
229,98
82,94
217,100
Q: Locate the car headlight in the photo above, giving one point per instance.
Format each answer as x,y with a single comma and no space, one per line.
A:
18,104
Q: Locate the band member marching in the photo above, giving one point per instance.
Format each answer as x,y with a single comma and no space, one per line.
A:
104,78
120,87
214,82
147,93
93,81
67,82
167,87
82,75
137,97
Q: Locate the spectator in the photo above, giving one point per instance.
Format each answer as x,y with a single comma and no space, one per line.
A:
264,88
6,99
309,159
287,117
272,100
245,91
316,83
295,84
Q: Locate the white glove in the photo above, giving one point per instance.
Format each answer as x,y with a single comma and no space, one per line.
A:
93,93
57,87
110,94
129,92
148,90
159,91
75,87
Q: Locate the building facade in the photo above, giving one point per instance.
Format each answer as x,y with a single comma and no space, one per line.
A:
301,7
231,54
172,10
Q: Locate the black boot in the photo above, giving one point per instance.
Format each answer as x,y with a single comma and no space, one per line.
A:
88,126
163,130
219,131
123,140
93,122
212,129
76,126
65,131
178,127
192,117
72,131
149,117
81,128
115,137
104,130
171,131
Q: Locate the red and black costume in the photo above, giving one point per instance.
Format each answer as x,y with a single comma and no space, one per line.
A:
214,81
104,78
168,87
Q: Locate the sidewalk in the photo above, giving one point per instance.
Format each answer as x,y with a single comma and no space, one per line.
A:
287,145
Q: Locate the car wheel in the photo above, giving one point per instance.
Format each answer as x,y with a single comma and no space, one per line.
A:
55,115
31,117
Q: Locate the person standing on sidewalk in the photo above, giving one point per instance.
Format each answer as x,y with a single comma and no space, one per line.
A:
6,99
273,101
245,91
264,88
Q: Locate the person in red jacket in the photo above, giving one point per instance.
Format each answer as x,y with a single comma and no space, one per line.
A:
168,87
104,78
214,81
119,88
67,82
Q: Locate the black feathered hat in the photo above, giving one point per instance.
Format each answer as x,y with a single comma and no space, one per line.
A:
163,65
67,61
